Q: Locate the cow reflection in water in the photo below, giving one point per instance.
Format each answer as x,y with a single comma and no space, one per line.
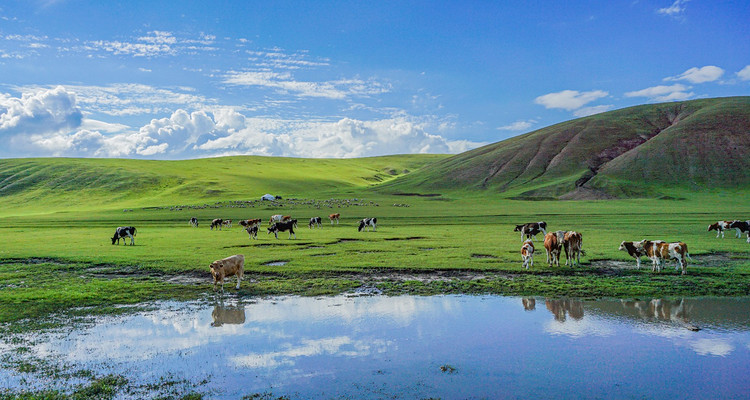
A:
529,303
563,307
221,315
662,310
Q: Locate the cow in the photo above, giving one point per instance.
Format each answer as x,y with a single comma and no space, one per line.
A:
527,254
217,223
531,229
573,246
194,222
553,245
720,227
275,218
233,265
368,222
122,232
315,221
334,217
741,227
247,223
635,250
227,223
252,231
658,252
283,227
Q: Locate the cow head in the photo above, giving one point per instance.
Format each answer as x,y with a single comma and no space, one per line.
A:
713,227
216,267
518,228
114,238
361,226
622,247
273,228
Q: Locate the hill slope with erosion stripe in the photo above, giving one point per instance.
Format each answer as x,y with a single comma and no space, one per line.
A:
642,151
33,186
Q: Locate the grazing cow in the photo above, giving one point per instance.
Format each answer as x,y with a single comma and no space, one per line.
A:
315,221
658,252
636,250
334,217
247,223
573,245
227,223
741,227
233,265
217,223
283,227
368,222
552,244
527,254
275,218
252,231
720,227
194,222
122,232
531,229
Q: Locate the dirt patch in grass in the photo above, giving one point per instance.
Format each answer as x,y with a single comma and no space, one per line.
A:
476,255
407,238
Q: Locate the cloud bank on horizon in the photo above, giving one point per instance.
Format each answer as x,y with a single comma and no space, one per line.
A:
175,81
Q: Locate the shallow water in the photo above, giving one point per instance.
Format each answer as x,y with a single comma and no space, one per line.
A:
419,347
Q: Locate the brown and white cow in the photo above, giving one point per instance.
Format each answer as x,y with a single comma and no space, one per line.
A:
635,250
227,223
334,217
531,229
573,245
658,252
553,245
233,265
275,218
247,223
720,227
527,254
217,223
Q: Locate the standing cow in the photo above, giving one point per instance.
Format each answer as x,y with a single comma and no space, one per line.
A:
658,252
553,245
334,217
194,222
531,229
527,254
635,250
233,265
573,245
283,227
122,232
315,221
368,222
720,227
217,223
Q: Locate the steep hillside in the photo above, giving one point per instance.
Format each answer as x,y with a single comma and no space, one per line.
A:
43,185
634,152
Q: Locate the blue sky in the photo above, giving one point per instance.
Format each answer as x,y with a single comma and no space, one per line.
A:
187,79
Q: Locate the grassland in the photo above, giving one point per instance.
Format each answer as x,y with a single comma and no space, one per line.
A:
57,217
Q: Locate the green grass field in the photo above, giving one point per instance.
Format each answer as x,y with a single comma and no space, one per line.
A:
56,253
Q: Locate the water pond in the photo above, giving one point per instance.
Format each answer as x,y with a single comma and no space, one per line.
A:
407,347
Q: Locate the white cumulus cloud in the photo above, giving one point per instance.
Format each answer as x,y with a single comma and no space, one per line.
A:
40,111
663,93
675,10
520,125
709,73
744,73
569,99
285,83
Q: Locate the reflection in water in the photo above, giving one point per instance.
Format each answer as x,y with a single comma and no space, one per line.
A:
393,347
227,315
559,308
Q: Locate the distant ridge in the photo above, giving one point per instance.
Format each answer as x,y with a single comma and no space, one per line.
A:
633,152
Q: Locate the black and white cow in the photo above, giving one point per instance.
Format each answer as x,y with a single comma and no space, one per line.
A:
252,231
531,229
123,232
741,227
194,222
283,227
367,222
315,221
217,223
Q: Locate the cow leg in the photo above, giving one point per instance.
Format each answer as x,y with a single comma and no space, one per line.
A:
638,262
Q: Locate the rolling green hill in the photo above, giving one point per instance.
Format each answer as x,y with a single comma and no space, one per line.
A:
645,151
43,185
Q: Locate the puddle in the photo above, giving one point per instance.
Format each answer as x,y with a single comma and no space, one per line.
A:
475,255
365,346
277,263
